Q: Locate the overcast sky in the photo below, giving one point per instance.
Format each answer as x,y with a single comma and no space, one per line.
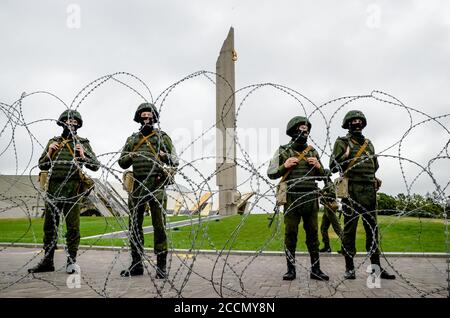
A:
322,49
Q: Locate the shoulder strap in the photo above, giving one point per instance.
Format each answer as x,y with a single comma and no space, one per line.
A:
70,148
62,144
350,143
358,154
301,156
144,139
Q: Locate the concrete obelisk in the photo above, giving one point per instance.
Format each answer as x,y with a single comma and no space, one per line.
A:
225,124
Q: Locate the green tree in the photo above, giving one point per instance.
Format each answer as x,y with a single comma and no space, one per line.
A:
387,205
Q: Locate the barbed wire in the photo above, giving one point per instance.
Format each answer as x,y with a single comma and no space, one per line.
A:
228,273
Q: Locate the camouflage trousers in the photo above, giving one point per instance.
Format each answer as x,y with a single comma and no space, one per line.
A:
362,202
146,196
301,206
329,218
63,200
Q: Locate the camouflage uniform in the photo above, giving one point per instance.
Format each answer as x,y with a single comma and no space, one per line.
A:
329,216
362,199
63,192
302,197
148,189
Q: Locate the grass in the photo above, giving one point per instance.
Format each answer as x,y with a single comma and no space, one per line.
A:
31,230
405,234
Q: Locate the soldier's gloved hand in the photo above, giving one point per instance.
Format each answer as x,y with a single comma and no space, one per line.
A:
290,162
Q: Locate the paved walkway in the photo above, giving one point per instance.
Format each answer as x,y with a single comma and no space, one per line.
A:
210,275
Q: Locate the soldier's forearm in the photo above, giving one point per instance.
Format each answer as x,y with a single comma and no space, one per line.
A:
44,165
320,171
338,155
376,165
92,167
334,166
44,162
278,173
125,161
91,164
165,159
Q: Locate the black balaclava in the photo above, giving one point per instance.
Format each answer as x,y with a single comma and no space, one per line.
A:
69,131
299,138
147,128
356,131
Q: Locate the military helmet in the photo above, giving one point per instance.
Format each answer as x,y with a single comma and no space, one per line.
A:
146,107
70,114
295,122
353,114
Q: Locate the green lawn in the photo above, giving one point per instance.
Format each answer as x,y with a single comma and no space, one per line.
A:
31,230
405,234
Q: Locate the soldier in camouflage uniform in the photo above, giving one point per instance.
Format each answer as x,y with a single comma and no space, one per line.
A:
64,156
302,196
150,158
362,187
330,206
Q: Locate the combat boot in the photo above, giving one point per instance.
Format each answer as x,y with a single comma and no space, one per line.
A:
349,268
385,275
375,260
71,266
133,270
316,272
325,249
161,260
46,264
136,268
290,274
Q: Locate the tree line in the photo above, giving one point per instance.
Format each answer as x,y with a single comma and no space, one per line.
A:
429,205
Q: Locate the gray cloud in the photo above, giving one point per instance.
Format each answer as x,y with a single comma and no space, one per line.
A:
324,49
